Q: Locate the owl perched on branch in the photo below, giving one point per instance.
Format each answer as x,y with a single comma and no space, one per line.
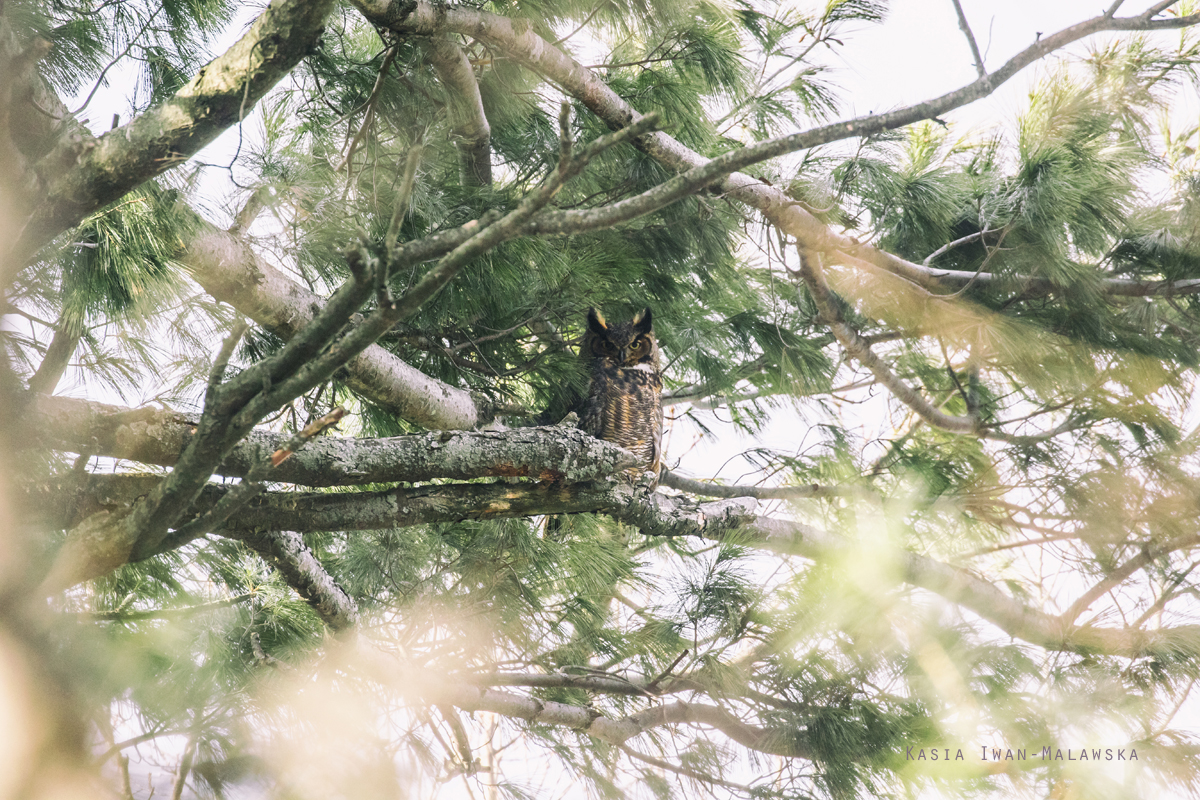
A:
624,404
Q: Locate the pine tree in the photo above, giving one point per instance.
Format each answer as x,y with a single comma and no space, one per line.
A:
354,550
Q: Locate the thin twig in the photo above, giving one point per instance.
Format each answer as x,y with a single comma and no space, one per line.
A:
370,115
966,29
403,199
674,480
684,771
165,613
652,685
133,40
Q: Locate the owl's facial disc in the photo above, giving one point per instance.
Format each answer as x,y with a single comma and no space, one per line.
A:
634,353
603,348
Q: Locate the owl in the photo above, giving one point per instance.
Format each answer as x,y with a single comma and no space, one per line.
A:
624,403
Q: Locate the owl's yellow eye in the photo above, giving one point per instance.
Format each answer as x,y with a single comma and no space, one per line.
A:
640,347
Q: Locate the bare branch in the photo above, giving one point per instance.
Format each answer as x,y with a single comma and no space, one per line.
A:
684,771
966,29
814,278
369,116
1122,573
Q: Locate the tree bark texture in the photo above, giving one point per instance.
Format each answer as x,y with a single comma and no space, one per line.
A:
85,173
229,269
730,520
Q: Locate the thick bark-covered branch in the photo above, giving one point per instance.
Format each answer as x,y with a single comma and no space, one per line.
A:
152,436
468,122
781,742
287,552
518,41
229,269
656,515
80,177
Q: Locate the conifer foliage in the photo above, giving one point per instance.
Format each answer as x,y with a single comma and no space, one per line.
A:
356,546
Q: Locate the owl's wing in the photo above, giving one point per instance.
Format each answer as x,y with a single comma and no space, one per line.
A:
656,437
591,417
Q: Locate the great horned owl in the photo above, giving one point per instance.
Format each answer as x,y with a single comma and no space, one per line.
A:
624,404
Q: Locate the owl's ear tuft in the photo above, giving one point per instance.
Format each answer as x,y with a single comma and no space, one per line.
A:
596,322
642,322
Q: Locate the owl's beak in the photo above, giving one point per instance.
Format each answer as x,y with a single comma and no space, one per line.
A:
623,354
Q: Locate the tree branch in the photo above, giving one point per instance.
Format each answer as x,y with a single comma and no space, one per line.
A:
1122,573
81,177
782,742
674,480
468,122
518,41
150,436
228,269
287,552
58,357
165,613
655,515
813,277
966,29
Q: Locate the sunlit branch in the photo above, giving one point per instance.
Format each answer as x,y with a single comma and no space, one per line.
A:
468,121
618,731
218,96
523,44
813,277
